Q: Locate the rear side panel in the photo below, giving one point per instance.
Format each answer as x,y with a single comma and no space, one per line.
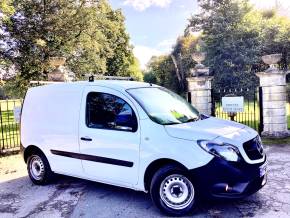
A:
50,121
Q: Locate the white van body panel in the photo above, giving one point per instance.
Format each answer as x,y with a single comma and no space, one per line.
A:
49,121
208,129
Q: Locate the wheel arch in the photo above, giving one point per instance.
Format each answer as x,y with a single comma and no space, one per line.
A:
30,150
154,166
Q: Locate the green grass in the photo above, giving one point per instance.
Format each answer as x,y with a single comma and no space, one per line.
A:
9,129
272,141
8,105
250,116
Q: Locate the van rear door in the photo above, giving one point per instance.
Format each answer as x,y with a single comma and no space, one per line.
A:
109,136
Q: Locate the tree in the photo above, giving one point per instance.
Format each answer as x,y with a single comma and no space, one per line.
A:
135,70
236,36
230,46
275,37
161,70
90,34
181,56
150,77
171,70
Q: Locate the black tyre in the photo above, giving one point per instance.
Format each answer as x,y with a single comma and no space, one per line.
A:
38,169
172,191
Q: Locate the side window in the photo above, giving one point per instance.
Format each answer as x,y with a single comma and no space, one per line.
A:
106,111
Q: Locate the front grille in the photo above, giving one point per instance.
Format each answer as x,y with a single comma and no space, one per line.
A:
254,148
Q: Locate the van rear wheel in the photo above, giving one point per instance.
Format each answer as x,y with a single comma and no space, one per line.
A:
172,191
38,169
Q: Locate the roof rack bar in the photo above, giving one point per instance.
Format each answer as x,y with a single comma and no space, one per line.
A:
43,82
90,77
118,78
98,76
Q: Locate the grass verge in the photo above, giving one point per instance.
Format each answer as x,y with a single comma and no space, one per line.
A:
274,141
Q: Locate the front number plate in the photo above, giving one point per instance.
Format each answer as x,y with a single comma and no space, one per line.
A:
263,169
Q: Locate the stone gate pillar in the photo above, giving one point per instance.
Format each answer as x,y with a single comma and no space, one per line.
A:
199,85
200,92
273,83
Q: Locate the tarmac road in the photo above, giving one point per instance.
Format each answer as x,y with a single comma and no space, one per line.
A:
70,197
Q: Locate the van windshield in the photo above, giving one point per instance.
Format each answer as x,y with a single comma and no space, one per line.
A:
163,106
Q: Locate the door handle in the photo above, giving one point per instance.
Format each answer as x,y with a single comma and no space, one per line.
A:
86,139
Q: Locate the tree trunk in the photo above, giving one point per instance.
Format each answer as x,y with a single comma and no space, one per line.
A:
179,76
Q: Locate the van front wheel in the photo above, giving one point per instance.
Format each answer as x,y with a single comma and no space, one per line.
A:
172,191
38,169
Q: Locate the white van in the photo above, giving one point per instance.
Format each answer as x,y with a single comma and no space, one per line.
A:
140,136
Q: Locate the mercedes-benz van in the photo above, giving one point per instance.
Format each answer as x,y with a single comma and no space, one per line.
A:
140,136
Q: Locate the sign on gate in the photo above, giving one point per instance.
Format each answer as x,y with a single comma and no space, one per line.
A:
240,104
233,104
17,111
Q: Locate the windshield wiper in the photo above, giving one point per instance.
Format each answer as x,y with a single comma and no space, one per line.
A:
192,120
173,123
187,121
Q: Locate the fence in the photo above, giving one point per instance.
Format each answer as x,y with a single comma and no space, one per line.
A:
251,115
9,128
288,105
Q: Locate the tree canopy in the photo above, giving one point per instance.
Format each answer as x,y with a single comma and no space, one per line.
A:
171,70
234,36
89,34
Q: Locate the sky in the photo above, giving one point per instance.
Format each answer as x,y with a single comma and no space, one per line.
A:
154,25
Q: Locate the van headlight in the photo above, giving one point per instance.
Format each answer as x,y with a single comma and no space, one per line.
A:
223,150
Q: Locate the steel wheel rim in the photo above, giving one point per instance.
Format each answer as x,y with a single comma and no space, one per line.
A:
177,192
36,168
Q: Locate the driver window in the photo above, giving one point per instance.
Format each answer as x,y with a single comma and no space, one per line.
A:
106,111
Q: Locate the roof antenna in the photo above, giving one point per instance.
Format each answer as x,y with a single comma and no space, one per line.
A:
91,78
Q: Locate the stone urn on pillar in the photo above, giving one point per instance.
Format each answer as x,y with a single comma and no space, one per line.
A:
199,69
272,61
58,74
199,85
273,83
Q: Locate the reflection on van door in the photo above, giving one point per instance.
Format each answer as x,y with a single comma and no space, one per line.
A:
109,136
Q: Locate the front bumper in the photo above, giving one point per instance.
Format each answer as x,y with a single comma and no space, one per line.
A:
223,179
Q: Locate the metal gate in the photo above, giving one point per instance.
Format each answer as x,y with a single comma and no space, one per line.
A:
9,128
252,111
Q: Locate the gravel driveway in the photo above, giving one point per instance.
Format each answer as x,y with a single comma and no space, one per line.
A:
70,197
